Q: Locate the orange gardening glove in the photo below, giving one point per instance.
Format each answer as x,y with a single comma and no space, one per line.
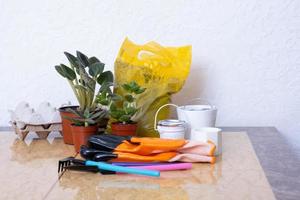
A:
147,146
133,149
130,157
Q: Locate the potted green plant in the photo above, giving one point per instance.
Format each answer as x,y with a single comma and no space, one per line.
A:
83,74
85,124
122,108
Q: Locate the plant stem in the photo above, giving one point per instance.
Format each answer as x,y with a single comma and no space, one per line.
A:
78,92
75,92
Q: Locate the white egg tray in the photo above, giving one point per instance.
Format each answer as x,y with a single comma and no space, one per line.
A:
42,130
42,121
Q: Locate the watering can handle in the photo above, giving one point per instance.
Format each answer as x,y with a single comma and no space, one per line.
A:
155,118
198,100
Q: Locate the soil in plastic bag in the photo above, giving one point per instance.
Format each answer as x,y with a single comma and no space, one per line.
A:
162,70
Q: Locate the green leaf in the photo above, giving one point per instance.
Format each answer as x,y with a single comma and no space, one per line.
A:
75,111
80,65
60,71
105,86
79,123
82,58
113,107
86,113
130,110
109,90
115,97
126,104
140,91
103,102
76,119
126,87
87,116
100,95
134,85
117,114
72,59
93,60
102,99
130,87
106,76
125,118
129,98
68,72
105,116
96,114
90,121
96,68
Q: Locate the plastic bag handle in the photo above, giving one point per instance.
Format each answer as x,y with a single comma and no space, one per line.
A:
155,118
154,49
200,99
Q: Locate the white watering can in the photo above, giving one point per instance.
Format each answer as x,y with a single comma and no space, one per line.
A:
197,116
194,116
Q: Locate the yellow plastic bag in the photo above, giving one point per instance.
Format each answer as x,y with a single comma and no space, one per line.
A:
162,70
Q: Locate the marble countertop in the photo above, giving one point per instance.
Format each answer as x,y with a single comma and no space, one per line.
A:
29,171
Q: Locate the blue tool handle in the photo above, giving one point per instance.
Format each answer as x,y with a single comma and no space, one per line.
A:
110,167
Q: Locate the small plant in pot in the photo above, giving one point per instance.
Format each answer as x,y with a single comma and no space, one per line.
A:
122,108
83,75
84,125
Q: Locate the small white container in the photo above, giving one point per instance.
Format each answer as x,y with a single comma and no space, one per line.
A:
171,129
208,133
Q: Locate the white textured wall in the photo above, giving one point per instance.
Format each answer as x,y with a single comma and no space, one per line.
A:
245,53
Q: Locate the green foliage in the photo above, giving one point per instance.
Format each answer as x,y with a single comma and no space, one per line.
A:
122,108
96,68
133,87
65,71
105,77
83,59
83,75
87,117
105,95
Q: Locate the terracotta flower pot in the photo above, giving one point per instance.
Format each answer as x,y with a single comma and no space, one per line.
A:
123,129
66,124
81,135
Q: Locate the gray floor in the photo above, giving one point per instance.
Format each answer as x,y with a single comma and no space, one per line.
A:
279,160
2,128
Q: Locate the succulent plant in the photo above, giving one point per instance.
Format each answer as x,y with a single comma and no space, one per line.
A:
83,75
87,117
121,108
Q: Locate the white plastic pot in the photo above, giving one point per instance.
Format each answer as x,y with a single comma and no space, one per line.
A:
205,134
